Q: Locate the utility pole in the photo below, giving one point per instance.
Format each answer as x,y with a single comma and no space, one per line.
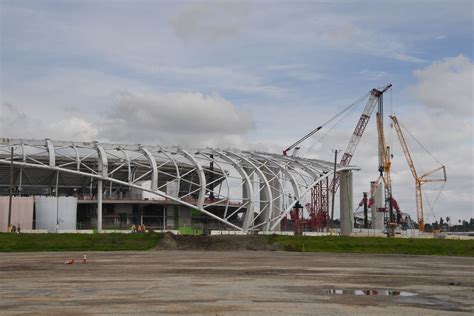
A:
57,202
211,176
11,191
333,191
366,209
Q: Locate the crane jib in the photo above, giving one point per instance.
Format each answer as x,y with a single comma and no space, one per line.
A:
359,131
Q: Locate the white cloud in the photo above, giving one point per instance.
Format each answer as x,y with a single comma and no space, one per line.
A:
347,35
14,123
199,22
447,85
180,118
213,77
298,72
74,129
373,74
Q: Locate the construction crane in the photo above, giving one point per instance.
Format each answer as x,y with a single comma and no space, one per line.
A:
385,169
375,96
419,180
295,145
320,194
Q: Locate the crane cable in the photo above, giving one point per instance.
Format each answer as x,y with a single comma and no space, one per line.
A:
431,206
440,190
327,132
418,142
343,115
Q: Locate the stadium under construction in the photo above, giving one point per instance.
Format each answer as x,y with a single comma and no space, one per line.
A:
69,186
114,186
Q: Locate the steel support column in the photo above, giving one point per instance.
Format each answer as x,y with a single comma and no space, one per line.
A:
103,171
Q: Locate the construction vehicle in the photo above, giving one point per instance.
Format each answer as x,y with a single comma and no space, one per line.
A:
419,180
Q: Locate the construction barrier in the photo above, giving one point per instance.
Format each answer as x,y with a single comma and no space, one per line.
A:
277,233
75,231
226,232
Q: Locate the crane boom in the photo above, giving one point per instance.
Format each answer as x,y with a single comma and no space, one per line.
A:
419,181
385,169
404,145
358,131
285,152
314,131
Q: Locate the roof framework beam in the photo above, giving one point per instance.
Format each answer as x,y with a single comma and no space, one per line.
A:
262,187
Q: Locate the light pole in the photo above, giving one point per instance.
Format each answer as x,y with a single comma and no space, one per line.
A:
11,192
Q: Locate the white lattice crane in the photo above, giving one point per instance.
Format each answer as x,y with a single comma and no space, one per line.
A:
419,180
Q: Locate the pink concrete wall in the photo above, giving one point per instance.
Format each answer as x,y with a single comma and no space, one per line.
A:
3,213
22,212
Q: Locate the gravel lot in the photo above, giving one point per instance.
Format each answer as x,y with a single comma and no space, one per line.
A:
235,283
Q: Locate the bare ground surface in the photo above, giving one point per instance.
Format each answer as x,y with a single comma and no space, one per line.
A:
233,283
215,243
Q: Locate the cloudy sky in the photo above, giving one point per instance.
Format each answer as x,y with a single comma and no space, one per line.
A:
255,75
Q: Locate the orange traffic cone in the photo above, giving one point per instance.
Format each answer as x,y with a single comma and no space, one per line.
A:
84,259
69,261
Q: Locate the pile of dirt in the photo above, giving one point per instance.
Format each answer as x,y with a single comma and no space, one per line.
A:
168,242
215,243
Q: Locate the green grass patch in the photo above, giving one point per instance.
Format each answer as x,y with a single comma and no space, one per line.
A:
77,242
439,247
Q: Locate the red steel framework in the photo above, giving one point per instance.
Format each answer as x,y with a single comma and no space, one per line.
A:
318,209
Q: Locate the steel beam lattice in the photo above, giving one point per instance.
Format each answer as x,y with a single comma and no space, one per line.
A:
245,190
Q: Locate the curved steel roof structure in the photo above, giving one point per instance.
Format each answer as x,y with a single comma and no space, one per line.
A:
246,190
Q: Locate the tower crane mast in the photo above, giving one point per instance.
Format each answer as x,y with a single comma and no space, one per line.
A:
419,180
385,170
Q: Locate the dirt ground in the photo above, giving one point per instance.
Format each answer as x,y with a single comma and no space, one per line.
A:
216,243
235,283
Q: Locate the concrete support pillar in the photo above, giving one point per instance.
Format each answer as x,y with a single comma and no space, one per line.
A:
99,206
346,200
377,196
103,171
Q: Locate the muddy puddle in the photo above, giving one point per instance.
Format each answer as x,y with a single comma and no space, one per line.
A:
365,292
390,296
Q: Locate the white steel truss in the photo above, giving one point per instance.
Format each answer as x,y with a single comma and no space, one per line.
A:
248,191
